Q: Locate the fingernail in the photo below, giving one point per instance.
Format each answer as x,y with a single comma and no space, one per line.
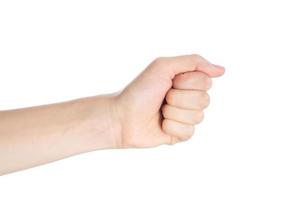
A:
218,66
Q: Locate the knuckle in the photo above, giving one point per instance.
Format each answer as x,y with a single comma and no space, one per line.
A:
159,61
186,133
198,117
206,99
170,96
196,56
189,134
206,96
180,78
165,125
165,110
201,95
207,82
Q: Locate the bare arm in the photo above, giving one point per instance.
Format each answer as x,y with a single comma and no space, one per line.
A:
33,136
161,106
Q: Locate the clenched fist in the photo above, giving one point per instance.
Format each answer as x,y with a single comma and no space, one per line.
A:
164,103
161,106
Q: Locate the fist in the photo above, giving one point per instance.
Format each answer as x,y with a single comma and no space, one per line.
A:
185,103
164,103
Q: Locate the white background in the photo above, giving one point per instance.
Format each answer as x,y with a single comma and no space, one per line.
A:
247,147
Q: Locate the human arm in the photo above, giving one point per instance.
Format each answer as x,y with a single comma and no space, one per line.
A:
161,106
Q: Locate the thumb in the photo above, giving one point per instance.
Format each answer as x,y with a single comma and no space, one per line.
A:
171,66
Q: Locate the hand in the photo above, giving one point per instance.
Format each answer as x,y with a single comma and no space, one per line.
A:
161,106
164,103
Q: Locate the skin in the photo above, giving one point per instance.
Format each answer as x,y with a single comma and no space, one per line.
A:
161,106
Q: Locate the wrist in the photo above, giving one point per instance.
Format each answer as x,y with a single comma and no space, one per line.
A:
101,121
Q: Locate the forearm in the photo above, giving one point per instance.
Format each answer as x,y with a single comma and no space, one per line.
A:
161,106
37,135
